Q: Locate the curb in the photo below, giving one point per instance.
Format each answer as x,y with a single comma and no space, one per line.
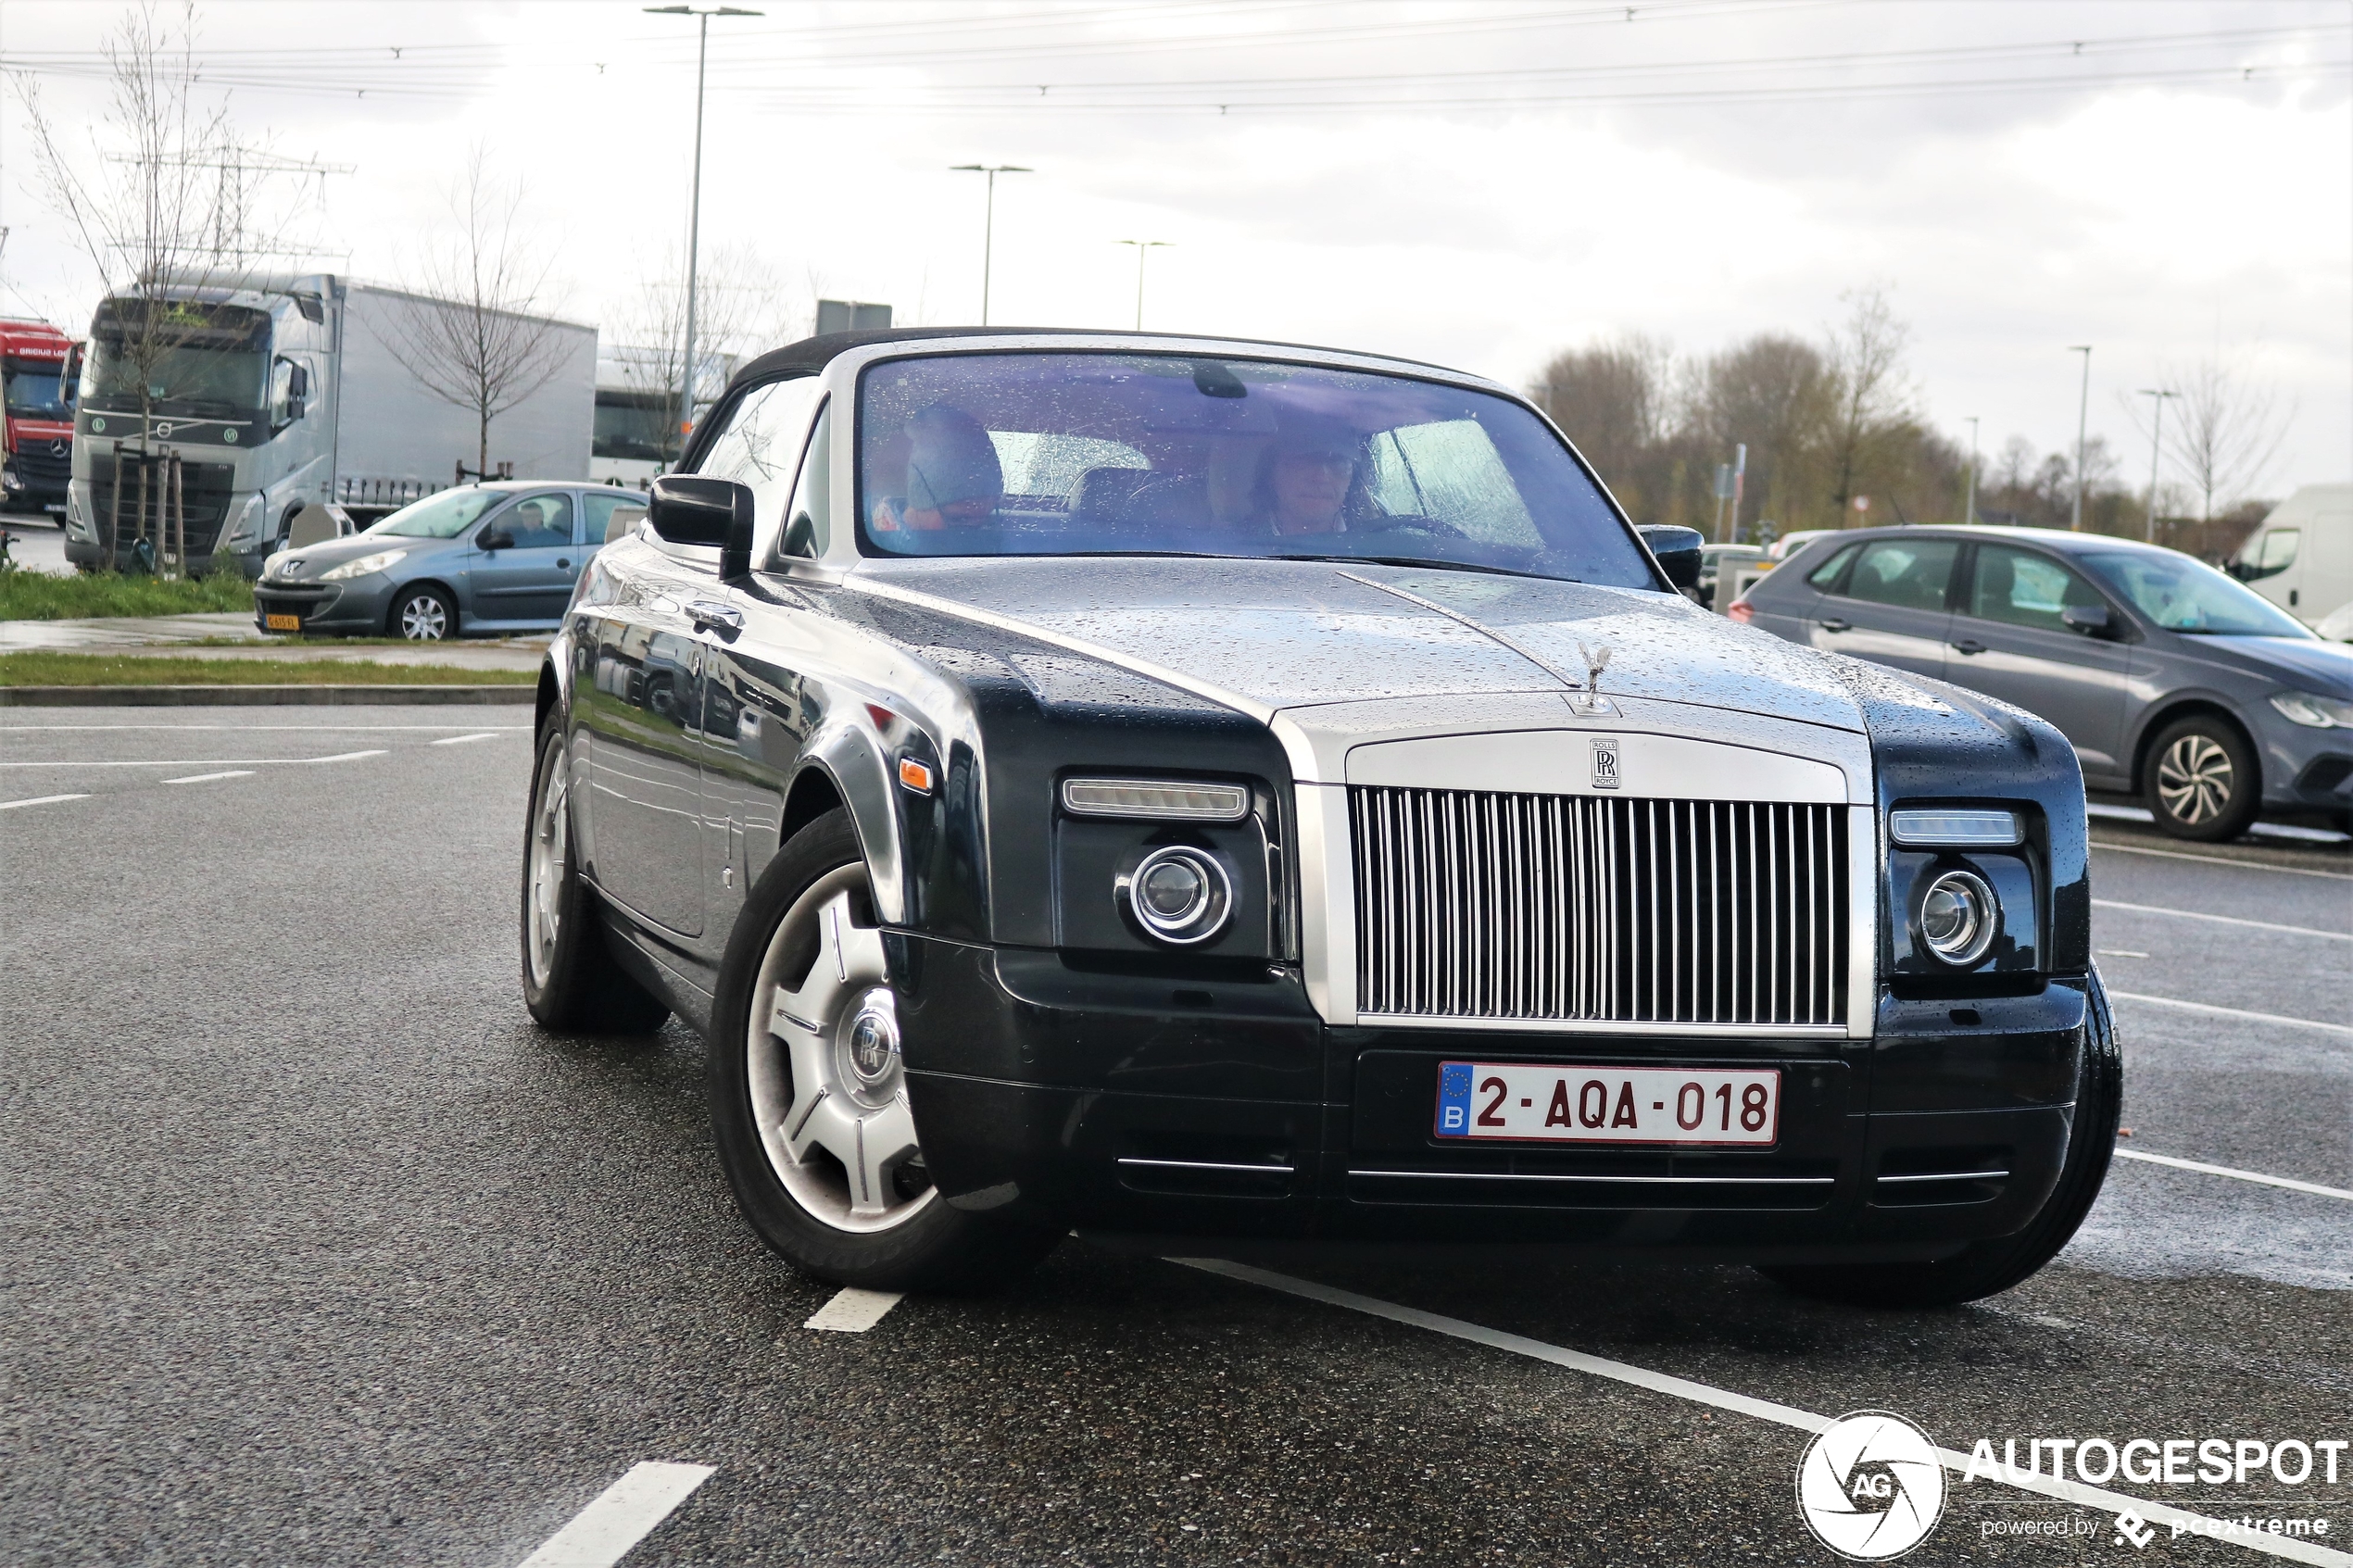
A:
259,697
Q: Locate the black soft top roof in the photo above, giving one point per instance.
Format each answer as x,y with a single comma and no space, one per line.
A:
812,354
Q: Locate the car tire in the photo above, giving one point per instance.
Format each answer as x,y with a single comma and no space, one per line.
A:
1988,1268
422,614
2203,781
569,981
809,1099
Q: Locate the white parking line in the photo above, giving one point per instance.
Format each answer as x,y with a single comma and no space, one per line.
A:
2221,860
40,800
854,1311
460,740
2287,1182
210,761
2233,1012
602,1534
2193,914
1762,1409
207,778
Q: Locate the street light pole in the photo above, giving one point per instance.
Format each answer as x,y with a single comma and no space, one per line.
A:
1969,507
703,14
1141,246
2157,428
2082,422
989,222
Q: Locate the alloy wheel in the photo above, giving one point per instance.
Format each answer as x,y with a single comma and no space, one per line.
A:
2194,779
550,848
424,620
827,1085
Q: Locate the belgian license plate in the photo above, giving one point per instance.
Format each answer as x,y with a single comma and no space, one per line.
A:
276,623
1608,1105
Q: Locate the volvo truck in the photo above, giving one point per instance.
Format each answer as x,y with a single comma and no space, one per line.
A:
283,392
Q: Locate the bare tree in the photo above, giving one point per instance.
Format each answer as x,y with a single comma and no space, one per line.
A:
477,332
1615,400
2224,429
166,205
741,306
1874,398
1776,394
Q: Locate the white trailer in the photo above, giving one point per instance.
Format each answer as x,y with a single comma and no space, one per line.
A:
291,392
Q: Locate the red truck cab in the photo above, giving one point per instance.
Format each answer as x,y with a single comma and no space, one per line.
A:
38,430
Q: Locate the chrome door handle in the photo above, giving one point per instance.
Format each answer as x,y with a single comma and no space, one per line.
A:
1836,626
1968,644
709,616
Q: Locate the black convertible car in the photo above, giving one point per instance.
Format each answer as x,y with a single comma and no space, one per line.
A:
1222,795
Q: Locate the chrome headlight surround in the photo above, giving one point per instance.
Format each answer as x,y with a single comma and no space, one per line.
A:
1956,917
1178,895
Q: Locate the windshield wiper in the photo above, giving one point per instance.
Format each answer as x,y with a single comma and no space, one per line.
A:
1433,565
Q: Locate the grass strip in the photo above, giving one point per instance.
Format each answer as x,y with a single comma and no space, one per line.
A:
36,595
42,667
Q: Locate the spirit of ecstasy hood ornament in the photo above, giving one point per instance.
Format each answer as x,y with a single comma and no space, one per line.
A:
1591,700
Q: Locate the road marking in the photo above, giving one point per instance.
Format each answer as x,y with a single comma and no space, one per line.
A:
210,761
854,1311
40,800
602,1534
2287,1182
460,740
2193,914
2235,1012
2221,860
207,778
1762,1409
2265,830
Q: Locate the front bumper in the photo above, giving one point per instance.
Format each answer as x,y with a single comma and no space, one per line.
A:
1227,1109
2305,769
322,608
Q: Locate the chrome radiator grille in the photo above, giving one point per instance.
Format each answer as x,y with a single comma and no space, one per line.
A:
1473,904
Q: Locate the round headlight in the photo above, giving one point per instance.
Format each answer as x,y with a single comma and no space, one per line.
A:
1179,895
1959,917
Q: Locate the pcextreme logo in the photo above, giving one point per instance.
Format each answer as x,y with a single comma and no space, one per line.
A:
1871,1487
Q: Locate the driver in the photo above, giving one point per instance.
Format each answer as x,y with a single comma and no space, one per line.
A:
953,478
1311,479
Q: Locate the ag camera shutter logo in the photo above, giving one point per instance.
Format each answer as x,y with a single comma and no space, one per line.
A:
1870,1485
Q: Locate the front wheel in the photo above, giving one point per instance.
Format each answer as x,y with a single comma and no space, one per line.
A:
2203,780
1988,1268
424,615
808,1100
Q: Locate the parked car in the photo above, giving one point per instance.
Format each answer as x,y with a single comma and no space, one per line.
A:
2169,679
496,557
1182,788
1718,565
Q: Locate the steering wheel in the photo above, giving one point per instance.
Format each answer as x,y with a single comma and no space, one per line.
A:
1414,522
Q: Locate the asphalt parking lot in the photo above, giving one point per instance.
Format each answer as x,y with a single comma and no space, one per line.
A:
314,1249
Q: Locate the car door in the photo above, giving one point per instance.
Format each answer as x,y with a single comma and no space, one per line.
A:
2010,640
528,578
1891,606
644,713
759,638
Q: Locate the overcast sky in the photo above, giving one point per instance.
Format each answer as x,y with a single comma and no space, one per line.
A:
1477,183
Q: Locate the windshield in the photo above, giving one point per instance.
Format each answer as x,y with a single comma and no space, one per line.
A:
442,516
2185,594
36,389
196,361
1120,454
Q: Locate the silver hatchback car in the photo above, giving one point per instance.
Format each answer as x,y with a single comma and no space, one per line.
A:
480,559
2170,679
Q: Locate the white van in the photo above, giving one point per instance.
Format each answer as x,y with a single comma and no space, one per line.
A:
2301,557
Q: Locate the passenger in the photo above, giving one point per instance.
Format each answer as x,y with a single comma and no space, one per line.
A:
1311,479
953,478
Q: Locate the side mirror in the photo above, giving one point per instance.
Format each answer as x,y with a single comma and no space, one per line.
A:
1678,550
2090,620
298,386
686,508
493,538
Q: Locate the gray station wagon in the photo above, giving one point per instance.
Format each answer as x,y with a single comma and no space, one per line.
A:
2171,680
